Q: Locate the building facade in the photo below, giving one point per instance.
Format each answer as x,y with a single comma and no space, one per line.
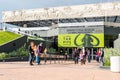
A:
81,19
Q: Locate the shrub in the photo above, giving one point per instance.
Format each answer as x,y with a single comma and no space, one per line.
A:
21,52
108,53
13,54
51,50
3,55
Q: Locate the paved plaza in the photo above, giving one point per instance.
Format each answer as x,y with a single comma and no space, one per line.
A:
59,71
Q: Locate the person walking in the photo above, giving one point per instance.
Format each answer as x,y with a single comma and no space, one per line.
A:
39,51
37,55
31,52
101,57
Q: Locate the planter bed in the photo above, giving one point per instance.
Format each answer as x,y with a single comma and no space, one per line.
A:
105,67
12,59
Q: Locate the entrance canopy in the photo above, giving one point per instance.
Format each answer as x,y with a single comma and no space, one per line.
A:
105,12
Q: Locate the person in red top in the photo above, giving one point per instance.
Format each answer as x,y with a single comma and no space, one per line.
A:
98,53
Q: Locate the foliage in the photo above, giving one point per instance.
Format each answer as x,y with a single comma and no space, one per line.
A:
51,50
3,55
6,36
108,53
13,54
21,52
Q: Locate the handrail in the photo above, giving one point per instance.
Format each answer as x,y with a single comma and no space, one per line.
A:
23,33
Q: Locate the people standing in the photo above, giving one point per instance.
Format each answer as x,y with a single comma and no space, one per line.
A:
89,55
76,56
45,55
98,55
82,56
61,51
101,56
37,55
66,54
31,52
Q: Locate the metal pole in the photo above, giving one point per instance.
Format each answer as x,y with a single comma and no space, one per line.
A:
4,27
50,57
0,25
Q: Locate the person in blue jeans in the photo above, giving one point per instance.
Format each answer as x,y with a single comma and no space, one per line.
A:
39,50
37,60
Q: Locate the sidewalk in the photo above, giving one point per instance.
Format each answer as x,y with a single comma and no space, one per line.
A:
62,71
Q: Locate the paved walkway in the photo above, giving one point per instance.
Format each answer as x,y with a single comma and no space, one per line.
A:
62,71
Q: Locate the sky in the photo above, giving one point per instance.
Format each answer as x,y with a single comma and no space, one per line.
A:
8,5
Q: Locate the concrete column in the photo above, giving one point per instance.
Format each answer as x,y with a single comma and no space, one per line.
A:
92,53
4,27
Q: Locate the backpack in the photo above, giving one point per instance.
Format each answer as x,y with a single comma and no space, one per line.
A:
38,50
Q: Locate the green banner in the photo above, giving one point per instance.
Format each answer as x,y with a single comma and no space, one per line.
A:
81,40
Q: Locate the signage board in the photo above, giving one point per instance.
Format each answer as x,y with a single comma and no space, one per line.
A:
81,40
81,29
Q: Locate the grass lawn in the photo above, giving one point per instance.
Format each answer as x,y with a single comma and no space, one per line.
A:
7,36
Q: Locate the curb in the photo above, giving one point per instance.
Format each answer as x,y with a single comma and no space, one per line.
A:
104,67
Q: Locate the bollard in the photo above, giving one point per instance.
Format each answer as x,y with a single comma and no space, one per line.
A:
115,63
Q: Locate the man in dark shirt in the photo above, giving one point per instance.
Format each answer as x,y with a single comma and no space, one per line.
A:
31,53
76,56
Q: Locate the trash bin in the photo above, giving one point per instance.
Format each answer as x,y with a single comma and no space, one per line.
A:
115,63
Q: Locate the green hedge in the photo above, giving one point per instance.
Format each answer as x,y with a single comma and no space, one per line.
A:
3,55
108,53
21,52
51,50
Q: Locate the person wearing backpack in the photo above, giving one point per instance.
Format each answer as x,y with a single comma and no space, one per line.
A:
39,51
